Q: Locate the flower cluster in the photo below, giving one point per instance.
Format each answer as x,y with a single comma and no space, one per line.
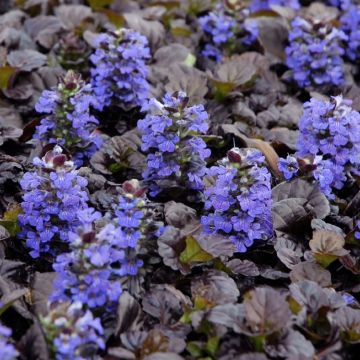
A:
222,29
135,225
289,167
68,121
330,132
315,54
7,350
257,5
350,25
91,271
239,203
171,136
72,332
87,273
119,75
53,195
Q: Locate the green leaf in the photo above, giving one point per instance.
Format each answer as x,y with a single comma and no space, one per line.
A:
212,345
266,13
194,349
222,89
324,259
190,60
200,303
327,246
294,306
179,31
186,318
193,252
258,342
10,220
5,74
113,17
98,4
116,167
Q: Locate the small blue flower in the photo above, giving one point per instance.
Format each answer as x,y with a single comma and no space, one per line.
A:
341,4
289,167
257,5
120,72
350,25
357,231
73,332
68,121
53,200
88,272
315,54
221,29
330,132
171,136
239,203
7,350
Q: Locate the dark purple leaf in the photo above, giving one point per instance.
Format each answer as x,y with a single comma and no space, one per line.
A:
243,267
41,289
310,271
26,60
128,314
215,287
165,303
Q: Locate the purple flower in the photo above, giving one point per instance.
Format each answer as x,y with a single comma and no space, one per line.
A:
350,25
54,195
222,28
72,332
348,298
88,273
315,54
134,226
171,135
357,230
341,4
69,122
238,205
330,131
257,5
289,167
7,350
119,75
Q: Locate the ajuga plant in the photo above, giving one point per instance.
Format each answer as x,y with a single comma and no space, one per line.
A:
69,122
53,195
7,350
135,225
257,5
89,272
120,70
330,133
92,271
350,25
72,332
224,28
238,204
314,54
171,136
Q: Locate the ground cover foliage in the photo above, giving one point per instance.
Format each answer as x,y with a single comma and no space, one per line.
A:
179,179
